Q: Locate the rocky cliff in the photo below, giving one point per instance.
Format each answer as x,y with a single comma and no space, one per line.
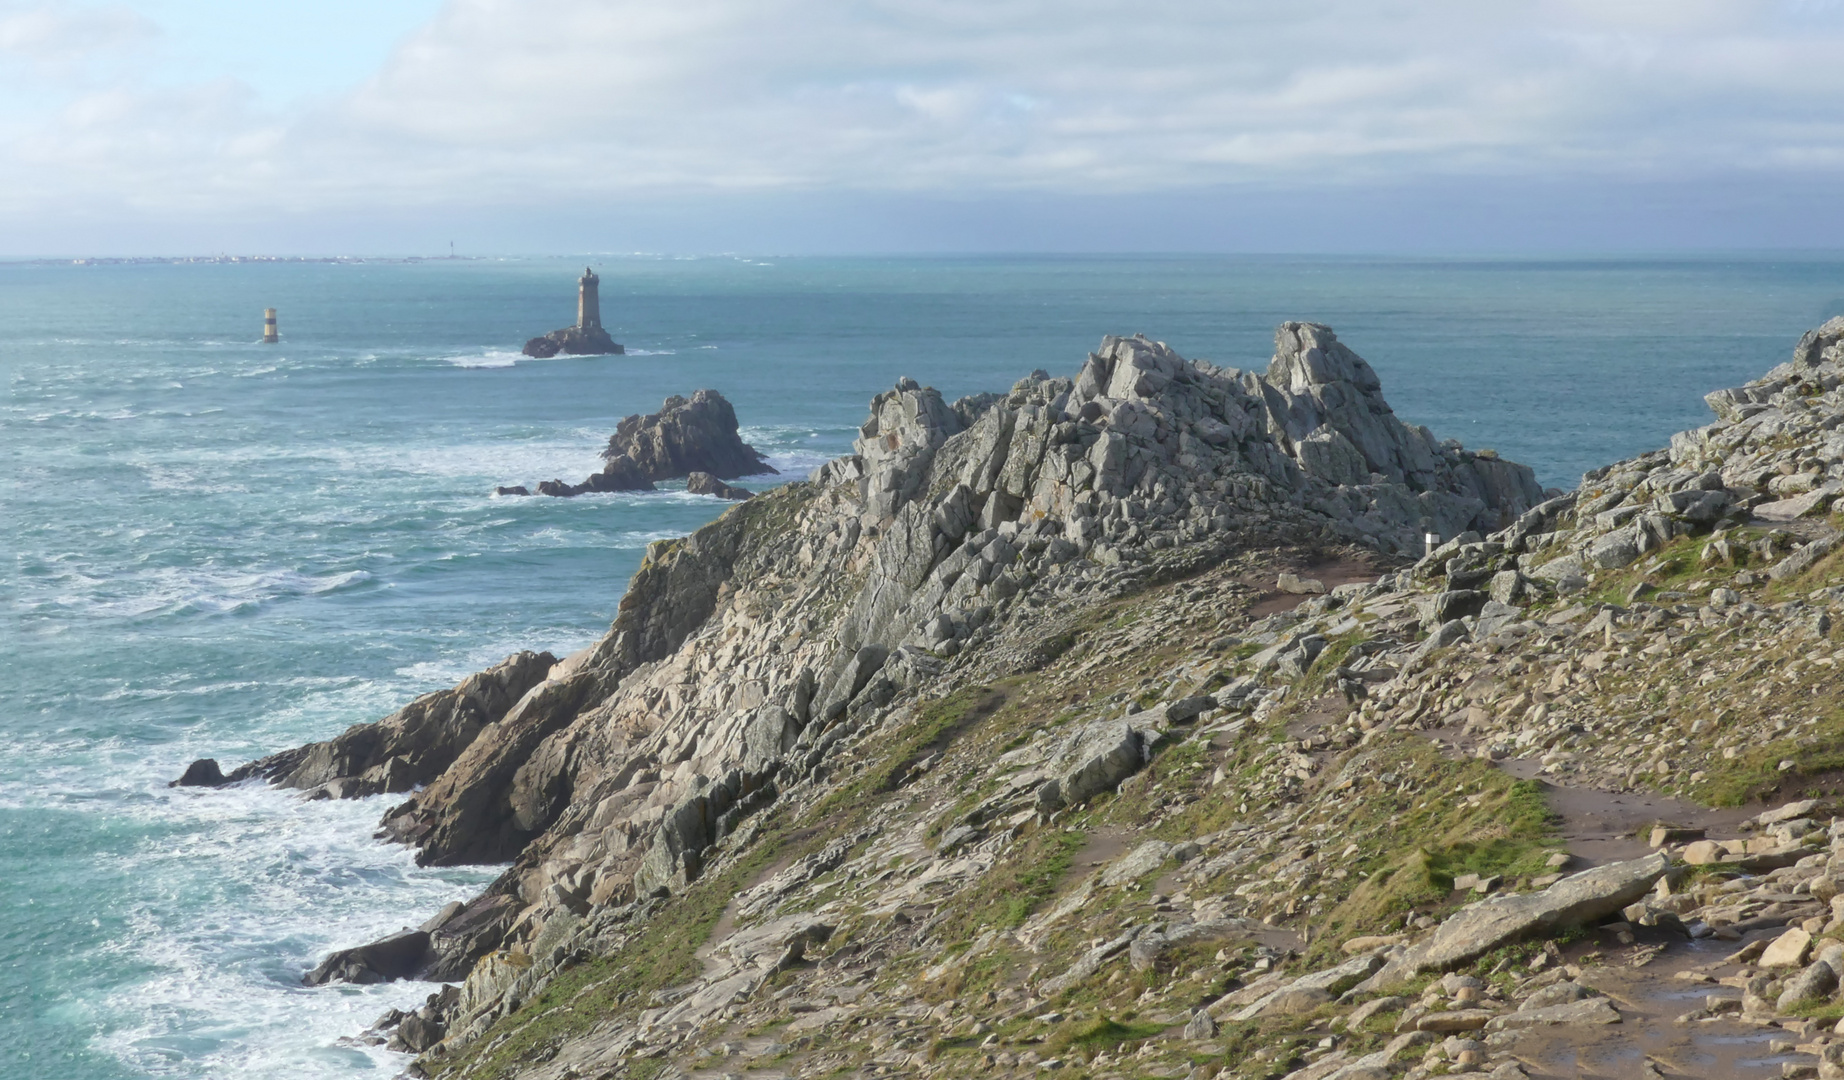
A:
1120,724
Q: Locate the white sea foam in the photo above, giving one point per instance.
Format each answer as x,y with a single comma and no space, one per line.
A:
488,358
244,890
156,591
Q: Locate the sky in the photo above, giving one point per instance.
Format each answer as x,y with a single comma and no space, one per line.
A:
507,126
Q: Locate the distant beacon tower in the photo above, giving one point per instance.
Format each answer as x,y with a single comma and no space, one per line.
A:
588,301
270,337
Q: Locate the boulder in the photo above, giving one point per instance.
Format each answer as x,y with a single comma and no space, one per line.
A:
1595,1010
1479,928
1293,583
398,956
201,773
1787,950
703,483
1097,758
1814,983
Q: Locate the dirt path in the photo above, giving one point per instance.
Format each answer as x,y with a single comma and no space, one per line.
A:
1650,999
1331,573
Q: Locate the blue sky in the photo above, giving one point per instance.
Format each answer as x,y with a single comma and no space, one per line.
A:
894,125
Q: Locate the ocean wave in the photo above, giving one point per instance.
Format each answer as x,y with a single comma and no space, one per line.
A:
488,358
235,893
165,591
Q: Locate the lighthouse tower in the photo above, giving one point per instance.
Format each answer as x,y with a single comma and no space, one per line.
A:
588,301
586,338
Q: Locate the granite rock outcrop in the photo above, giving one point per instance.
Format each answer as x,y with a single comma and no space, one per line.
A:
687,435
1136,692
692,438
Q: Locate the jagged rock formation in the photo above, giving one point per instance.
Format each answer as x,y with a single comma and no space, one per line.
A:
573,341
1019,737
686,436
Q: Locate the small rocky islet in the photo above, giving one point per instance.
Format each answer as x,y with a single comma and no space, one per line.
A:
1122,725
692,439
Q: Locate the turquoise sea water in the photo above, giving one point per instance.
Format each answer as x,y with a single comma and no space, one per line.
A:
220,548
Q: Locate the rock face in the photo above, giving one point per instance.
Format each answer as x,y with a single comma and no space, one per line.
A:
698,434
573,341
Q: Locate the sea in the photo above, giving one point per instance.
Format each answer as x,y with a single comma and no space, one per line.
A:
221,548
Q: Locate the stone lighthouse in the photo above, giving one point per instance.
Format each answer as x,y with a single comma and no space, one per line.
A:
588,302
586,338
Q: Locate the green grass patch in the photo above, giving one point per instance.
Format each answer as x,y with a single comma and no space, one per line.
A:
1103,1034
1028,875
932,728
1500,826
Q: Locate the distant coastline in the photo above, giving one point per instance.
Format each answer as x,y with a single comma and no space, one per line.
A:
180,260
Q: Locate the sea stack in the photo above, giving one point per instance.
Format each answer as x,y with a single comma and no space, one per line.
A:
586,338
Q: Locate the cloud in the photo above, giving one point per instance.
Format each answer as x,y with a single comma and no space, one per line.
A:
504,103
60,33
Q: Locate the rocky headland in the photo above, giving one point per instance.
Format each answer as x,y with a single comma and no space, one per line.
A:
693,439
1122,726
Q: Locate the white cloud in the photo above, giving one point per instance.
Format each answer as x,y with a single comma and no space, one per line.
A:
510,102
51,33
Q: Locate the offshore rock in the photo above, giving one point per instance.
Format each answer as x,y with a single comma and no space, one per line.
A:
686,438
201,773
698,434
618,474
573,341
